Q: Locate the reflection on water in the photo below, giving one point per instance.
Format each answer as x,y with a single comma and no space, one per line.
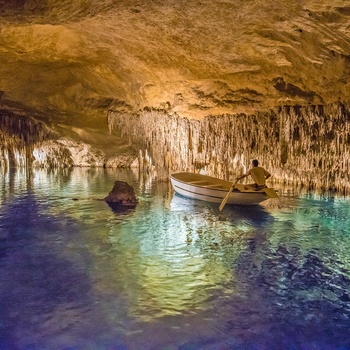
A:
171,273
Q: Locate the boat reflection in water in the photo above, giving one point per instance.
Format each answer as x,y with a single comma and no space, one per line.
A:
173,272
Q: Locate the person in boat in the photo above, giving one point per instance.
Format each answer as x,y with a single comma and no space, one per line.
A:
258,174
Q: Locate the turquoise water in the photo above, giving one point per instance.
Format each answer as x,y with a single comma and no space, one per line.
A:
170,274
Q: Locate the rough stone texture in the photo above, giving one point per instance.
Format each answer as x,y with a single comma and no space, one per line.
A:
303,145
26,141
73,60
122,194
66,63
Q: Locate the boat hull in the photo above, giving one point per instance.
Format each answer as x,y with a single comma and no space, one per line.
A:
213,190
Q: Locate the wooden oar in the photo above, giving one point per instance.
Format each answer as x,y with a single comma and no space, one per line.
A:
270,192
226,197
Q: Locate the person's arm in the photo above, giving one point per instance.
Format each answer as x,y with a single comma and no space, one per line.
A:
243,176
267,175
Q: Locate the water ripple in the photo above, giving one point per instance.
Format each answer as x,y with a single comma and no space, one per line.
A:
76,274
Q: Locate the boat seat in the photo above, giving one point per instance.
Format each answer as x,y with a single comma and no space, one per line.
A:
213,186
200,182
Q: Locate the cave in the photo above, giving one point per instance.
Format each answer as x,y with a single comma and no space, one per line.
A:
115,83
128,91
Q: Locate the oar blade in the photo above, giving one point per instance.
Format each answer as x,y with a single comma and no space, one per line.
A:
270,192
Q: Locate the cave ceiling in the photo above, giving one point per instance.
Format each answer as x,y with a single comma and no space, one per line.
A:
70,61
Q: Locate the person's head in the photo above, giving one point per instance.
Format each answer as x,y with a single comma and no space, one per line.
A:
255,162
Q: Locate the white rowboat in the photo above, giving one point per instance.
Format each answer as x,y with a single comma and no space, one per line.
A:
214,190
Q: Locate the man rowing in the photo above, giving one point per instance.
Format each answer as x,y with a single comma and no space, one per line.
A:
258,174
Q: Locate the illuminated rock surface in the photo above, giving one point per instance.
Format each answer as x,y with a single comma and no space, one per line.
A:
122,194
308,146
65,64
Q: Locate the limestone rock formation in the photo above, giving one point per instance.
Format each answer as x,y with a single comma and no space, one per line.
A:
66,64
308,146
73,60
122,195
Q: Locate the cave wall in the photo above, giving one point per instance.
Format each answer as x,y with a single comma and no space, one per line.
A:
231,64
304,145
307,145
18,135
28,142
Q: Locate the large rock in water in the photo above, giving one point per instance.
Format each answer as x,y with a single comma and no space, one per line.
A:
122,195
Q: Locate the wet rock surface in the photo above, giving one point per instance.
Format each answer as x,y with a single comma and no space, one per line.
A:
121,195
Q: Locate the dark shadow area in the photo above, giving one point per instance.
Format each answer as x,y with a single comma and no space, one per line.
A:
44,291
120,209
304,300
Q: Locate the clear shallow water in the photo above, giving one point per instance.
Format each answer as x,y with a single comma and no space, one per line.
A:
171,274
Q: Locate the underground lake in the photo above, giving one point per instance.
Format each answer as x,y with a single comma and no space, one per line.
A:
172,273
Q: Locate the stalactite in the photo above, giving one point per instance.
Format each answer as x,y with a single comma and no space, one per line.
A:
307,145
27,130
18,135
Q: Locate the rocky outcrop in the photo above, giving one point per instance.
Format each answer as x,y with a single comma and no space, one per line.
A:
122,195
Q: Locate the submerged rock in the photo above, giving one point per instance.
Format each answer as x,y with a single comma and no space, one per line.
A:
122,194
